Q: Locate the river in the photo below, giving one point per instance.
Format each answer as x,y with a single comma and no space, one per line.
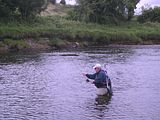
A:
50,85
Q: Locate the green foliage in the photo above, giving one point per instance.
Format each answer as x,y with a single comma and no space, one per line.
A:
24,8
104,11
15,44
7,8
29,8
53,1
2,44
62,29
150,15
130,5
58,43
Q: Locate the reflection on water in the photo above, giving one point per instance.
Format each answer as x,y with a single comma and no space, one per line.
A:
103,100
50,85
17,58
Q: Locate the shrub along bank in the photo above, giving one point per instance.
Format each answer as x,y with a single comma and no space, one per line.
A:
62,32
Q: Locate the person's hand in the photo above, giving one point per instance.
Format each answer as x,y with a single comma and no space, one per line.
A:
84,74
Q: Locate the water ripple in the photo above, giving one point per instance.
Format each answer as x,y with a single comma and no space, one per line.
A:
49,86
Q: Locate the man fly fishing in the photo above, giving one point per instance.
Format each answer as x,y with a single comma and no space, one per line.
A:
100,80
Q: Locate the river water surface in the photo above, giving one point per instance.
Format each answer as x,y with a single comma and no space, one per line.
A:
50,86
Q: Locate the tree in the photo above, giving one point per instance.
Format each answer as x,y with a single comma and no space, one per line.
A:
25,8
150,15
63,2
29,8
7,8
130,5
105,11
53,1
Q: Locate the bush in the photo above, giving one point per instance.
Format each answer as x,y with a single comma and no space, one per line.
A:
58,43
24,8
15,44
104,11
150,15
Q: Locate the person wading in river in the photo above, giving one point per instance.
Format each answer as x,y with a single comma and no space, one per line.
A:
100,80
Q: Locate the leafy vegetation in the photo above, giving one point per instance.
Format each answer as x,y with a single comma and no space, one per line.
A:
12,44
150,15
57,43
90,23
21,8
104,11
49,27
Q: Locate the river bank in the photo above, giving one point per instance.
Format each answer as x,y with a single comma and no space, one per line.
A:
57,32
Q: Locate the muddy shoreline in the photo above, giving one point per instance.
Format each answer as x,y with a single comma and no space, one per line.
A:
45,44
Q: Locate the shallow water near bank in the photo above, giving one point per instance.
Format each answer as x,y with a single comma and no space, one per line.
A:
50,86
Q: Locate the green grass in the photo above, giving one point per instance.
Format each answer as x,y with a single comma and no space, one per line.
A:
58,27
15,44
58,43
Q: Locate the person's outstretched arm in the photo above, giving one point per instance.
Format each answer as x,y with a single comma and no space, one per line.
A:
90,76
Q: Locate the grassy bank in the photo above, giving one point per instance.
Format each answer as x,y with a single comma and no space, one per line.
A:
72,31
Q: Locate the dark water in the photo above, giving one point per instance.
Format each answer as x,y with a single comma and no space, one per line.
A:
50,86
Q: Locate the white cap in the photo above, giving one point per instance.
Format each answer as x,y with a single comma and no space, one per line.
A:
97,66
